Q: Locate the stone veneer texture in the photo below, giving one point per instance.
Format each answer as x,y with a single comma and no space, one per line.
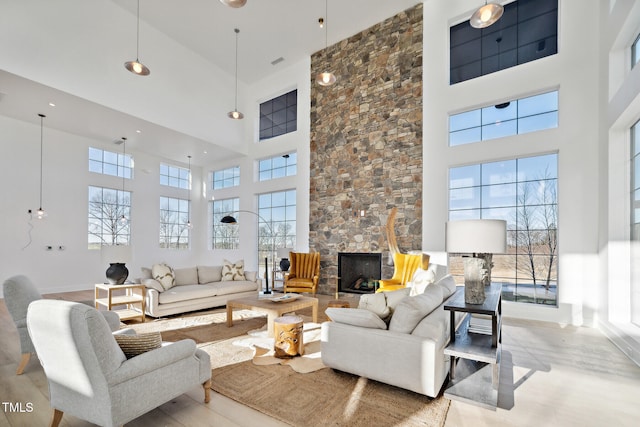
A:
366,143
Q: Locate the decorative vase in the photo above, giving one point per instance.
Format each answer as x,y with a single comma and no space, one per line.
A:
285,264
117,273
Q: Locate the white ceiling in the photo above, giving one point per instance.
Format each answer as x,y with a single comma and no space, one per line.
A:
269,29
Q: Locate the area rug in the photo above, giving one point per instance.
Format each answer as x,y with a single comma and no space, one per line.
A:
210,332
325,397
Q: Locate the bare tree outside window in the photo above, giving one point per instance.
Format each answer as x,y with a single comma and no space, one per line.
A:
536,235
174,216
106,207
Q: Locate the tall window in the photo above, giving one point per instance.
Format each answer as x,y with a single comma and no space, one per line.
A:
635,52
224,236
510,118
226,178
174,176
174,215
528,30
278,167
110,163
635,223
277,227
106,207
524,193
279,115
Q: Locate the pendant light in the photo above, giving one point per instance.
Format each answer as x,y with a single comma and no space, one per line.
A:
486,15
137,67
325,78
234,3
123,219
235,114
40,214
189,225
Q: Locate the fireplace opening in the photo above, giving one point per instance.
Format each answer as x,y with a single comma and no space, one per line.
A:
359,272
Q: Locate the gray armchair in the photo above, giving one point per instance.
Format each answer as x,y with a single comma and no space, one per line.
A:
90,377
19,292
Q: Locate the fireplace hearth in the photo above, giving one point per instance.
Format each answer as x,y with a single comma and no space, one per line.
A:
359,272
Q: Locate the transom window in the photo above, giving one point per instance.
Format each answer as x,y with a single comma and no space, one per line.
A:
174,216
110,163
527,31
106,207
174,176
279,115
520,116
524,193
278,167
224,236
226,178
277,223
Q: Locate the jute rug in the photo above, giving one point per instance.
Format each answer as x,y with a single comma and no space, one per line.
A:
325,397
244,370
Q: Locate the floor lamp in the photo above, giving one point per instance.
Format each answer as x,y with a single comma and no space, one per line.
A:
228,219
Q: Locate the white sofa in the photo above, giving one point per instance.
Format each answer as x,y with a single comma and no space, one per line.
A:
409,353
196,288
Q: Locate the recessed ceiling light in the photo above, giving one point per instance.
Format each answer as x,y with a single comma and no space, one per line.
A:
205,151
52,104
138,131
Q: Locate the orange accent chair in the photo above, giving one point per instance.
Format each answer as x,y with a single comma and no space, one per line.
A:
405,266
304,272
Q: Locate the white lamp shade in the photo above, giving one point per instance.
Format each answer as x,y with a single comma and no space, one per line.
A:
284,252
116,254
482,236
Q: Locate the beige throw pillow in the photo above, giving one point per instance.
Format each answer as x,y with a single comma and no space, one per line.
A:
233,271
164,275
133,345
375,303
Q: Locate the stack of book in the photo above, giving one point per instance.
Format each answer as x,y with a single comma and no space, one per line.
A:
480,324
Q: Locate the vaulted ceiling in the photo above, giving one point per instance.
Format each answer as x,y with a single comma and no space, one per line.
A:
71,52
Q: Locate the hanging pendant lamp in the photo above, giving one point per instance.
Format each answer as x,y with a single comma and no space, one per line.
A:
325,78
234,3
123,219
189,225
137,67
235,114
40,214
486,15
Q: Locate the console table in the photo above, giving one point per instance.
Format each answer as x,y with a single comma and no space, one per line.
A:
481,385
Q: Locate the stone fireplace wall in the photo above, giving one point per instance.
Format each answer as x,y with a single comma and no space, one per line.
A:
366,144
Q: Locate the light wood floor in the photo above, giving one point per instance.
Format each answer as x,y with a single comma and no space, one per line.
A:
551,375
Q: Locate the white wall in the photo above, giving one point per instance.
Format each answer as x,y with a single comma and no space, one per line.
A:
65,199
574,72
621,109
296,76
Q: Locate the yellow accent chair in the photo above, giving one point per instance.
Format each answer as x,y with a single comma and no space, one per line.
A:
405,266
304,272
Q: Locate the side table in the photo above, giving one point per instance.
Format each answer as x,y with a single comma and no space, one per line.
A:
134,295
480,387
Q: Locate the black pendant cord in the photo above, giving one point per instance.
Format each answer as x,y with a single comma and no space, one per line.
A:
42,116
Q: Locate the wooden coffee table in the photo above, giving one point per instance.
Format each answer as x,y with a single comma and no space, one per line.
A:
270,308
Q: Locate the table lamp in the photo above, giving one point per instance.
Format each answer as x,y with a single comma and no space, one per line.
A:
482,238
116,256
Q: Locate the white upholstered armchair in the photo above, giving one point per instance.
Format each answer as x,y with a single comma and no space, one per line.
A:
19,292
90,377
